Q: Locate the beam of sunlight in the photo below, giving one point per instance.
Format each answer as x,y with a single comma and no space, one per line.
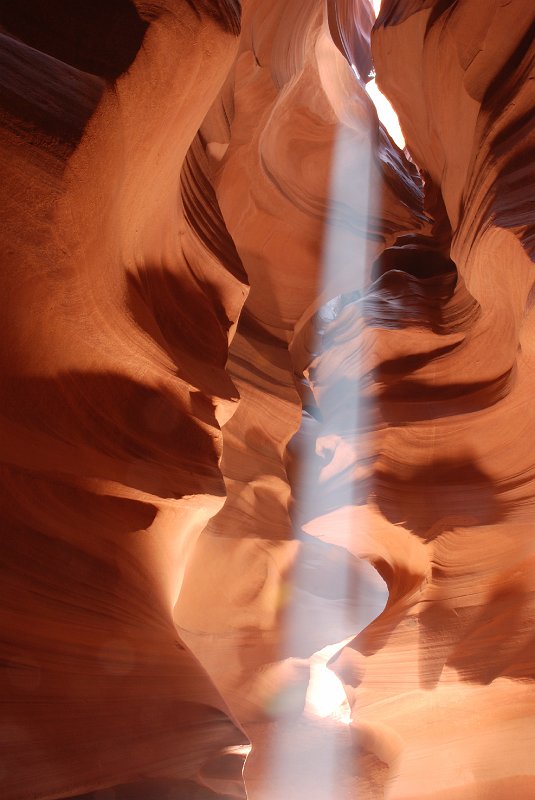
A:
309,752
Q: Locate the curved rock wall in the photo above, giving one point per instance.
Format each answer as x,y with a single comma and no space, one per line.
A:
456,464
257,365
117,321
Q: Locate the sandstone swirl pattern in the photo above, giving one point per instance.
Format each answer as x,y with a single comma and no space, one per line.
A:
240,323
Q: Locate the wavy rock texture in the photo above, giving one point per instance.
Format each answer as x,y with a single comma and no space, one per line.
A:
454,466
116,327
256,366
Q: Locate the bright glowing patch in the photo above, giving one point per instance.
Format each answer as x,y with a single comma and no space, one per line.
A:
325,695
386,113
238,750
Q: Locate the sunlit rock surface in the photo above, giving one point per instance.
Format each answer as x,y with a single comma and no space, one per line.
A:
266,401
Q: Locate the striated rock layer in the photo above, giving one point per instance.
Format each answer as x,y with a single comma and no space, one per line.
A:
262,378
117,316
447,673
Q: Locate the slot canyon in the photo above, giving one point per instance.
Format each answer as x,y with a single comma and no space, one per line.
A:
267,428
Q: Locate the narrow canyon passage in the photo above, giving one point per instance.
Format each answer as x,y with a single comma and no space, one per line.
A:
267,441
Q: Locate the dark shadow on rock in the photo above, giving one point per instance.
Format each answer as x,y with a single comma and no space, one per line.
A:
430,499
350,26
86,630
185,316
514,196
416,258
482,644
440,7
405,401
101,37
416,285
438,626
395,369
113,427
202,210
499,641
39,95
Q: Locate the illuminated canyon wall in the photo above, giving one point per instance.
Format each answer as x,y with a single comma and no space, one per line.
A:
267,428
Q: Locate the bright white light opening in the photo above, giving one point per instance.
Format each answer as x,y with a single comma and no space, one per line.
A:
238,750
386,113
325,695
384,109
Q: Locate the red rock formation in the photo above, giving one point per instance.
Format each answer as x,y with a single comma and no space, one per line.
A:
117,317
200,205
454,466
